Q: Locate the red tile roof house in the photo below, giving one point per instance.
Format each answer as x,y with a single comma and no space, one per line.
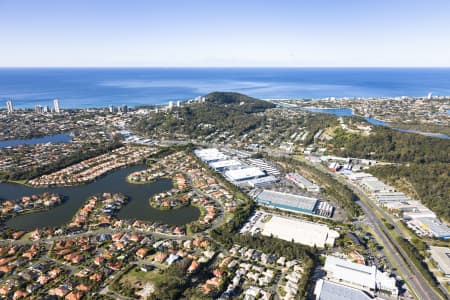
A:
20,294
142,252
83,288
96,277
74,296
60,292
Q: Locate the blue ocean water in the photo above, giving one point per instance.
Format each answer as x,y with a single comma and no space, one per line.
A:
98,87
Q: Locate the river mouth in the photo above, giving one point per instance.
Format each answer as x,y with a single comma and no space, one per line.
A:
138,207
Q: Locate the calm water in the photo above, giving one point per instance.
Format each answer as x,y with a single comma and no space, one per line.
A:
348,112
345,112
57,138
341,112
98,87
137,208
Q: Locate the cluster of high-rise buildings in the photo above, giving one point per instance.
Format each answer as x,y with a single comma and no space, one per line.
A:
172,104
38,108
121,109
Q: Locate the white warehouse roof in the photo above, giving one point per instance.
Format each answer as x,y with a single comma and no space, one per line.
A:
303,232
349,272
246,173
210,154
442,256
363,277
225,163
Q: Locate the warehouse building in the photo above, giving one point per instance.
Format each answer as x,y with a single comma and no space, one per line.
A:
300,231
390,197
441,255
433,227
403,206
244,174
259,163
327,290
373,185
224,164
303,182
210,155
286,201
262,181
366,278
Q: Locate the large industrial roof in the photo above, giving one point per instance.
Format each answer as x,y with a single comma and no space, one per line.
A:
351,272
437,228
303,232
210,154
246,173
442,256
225,163
262,180
295,201
326,290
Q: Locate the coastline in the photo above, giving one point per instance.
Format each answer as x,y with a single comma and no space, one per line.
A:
158,86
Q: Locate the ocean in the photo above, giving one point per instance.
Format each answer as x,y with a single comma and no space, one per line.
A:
99,87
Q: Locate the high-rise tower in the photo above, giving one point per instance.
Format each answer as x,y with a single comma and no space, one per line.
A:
9,106
56,106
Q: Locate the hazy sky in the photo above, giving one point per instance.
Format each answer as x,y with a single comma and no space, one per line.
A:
225,33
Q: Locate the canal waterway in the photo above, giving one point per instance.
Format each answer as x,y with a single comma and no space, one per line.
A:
56,138
114,182
348,112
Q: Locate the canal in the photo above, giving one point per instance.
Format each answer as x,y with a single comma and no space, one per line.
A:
56,138
114,182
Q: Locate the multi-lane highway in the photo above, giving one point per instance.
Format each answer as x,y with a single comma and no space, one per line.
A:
410,273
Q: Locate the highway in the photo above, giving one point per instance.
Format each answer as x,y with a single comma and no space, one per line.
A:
414,278
410,273
396,256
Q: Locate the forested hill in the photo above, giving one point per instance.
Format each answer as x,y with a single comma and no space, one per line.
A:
244,103
222,111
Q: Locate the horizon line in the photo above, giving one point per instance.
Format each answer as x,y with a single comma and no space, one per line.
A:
224,67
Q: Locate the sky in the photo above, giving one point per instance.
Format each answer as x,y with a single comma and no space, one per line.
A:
225,33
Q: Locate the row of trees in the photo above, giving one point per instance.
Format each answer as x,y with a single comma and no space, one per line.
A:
418,260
